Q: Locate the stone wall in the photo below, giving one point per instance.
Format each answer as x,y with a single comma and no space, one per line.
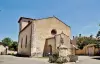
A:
2,50
25,49
43,28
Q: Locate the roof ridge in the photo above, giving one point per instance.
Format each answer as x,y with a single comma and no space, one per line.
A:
24,18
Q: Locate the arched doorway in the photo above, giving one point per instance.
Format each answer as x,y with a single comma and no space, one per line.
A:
49,49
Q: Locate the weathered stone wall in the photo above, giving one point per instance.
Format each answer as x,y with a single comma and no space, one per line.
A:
65,38
23,24
42,31
2,49
66,41
53,44
25,50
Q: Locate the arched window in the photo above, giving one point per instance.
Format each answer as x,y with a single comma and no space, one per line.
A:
21,42
53,31
26,42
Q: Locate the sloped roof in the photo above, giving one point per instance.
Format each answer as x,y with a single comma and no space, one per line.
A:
24,18
41,19
38,19
73,42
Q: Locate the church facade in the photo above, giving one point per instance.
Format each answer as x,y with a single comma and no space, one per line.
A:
35,33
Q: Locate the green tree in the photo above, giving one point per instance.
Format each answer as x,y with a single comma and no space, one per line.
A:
83,41
79,35
15,45
98,34
91,36
98,38
12,45
7,41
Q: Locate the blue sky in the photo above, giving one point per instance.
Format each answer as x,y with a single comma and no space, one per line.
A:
82,15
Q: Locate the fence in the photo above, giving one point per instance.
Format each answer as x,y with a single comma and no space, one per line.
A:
84,51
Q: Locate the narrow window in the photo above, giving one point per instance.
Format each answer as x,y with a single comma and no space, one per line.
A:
26,42
21,42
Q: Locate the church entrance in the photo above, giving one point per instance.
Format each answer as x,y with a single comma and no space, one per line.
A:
50,46
49,49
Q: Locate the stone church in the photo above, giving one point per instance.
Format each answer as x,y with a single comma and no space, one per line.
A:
36,35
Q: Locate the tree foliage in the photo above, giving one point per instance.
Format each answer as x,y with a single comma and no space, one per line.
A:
98,34
7,41
12,45
83,41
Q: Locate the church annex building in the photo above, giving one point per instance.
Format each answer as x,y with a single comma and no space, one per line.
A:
34,34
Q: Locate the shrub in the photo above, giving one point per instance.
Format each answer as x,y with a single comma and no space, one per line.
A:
73,58
62,60
53,58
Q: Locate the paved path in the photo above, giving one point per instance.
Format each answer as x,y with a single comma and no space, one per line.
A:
7,59
89,60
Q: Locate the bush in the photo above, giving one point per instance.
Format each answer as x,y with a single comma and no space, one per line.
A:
62,60
11,49
73,58
53,58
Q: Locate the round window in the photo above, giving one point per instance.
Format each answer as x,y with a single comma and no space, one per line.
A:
53,32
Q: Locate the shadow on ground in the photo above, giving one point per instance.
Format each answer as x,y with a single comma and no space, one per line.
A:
17,55
97,58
